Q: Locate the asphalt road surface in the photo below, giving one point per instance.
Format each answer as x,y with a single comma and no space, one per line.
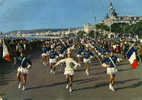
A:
42,85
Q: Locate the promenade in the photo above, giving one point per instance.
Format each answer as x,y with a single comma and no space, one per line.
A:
42,85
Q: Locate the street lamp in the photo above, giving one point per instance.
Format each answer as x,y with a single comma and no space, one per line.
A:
95,27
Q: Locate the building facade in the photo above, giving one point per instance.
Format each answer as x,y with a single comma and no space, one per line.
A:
114,18
88,27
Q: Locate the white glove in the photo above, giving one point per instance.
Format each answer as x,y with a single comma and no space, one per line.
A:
79,65
29,66
104,65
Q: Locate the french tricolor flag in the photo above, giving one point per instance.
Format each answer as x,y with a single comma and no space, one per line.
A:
131,55
6,54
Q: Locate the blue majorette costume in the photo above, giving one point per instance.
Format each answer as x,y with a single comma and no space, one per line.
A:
23,63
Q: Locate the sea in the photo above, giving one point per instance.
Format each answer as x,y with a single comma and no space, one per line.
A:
32,38
27,38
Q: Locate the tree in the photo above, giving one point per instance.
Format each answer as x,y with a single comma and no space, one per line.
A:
102,27
81,33
91,34
123,28
120,27
136,28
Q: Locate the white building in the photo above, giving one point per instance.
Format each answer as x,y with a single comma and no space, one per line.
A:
114,18
87,28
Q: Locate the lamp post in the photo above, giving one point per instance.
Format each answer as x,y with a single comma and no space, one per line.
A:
110,26
95,27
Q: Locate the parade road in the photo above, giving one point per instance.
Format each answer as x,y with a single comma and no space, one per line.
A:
42,85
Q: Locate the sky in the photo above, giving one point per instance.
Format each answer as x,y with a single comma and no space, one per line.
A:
44,14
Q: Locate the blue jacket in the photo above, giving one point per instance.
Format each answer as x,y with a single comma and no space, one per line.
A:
23,61
61,50
53,54
87,54
79,51
107,60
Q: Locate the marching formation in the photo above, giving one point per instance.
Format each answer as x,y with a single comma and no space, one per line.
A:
74,53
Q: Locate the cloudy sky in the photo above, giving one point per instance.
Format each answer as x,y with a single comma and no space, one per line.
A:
40,14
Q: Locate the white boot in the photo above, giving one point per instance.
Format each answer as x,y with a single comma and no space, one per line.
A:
67,86
24,88
19,85
51,71
87,73
111,87
70,89
43,63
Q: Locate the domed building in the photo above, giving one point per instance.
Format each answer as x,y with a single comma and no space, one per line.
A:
114,18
